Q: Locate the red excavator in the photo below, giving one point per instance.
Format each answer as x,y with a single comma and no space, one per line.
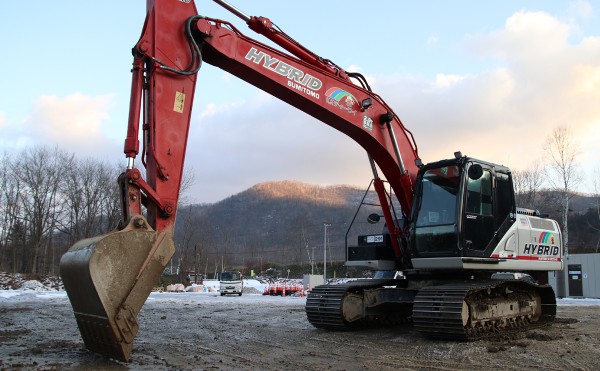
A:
466,262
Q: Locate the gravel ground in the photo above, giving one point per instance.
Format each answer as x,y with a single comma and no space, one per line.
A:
254,332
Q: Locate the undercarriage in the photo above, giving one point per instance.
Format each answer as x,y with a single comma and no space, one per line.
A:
460,310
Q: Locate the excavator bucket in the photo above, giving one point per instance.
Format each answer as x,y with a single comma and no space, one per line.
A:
108,279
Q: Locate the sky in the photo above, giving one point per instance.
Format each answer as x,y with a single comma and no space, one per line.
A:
491,79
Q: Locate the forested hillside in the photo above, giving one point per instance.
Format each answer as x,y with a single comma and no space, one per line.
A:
282,222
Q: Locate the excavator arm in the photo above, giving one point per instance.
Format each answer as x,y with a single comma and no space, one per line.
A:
162,93
108,278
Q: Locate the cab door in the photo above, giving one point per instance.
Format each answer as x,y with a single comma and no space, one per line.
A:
478,213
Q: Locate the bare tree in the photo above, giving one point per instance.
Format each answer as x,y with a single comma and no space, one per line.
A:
187,181
562,151
187,223
90,194
11,228
185,239
4,217
110,199
596,188
48,201
90,197
40,170
562,174
527,185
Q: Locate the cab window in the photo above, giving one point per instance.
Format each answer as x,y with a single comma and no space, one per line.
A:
479,195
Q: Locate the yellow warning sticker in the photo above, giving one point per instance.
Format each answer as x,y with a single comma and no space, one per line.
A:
179,102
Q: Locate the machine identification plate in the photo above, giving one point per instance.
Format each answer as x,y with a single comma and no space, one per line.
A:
375,239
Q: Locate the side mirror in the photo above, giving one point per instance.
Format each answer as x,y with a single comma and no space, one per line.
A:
373,218
475,171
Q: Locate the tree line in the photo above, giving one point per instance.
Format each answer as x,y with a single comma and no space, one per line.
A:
49,199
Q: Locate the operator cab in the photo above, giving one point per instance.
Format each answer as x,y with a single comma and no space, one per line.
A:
462,208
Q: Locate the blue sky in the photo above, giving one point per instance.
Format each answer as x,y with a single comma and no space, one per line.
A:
489,78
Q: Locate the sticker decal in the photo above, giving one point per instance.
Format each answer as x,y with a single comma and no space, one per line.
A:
341,99
524,222
544,249
367,123
179,102
546,237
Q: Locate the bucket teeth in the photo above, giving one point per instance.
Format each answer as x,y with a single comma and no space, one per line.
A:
99,336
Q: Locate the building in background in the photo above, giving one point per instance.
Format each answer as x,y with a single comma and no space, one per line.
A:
583,276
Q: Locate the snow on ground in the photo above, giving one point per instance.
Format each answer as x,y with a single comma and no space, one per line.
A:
575,302
176,298
193,297
15,288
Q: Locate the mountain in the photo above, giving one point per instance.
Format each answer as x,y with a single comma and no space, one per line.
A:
284,222
281,222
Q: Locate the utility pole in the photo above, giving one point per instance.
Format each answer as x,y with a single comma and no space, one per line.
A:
195,263
325,254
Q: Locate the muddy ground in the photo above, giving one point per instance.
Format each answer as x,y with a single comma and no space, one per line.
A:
252,332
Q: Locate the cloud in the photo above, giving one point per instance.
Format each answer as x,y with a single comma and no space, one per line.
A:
232,147
444,81
77,123
503,115
525,35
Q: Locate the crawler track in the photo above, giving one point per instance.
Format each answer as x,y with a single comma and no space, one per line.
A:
459,310
469,311
324,303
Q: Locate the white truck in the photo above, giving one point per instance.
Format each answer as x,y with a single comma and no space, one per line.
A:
231,283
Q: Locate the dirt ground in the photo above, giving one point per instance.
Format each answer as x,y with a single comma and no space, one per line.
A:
252,332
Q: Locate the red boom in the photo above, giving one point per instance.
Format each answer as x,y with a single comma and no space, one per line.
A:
172,41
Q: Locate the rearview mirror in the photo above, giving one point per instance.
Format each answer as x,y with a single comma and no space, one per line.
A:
475,171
